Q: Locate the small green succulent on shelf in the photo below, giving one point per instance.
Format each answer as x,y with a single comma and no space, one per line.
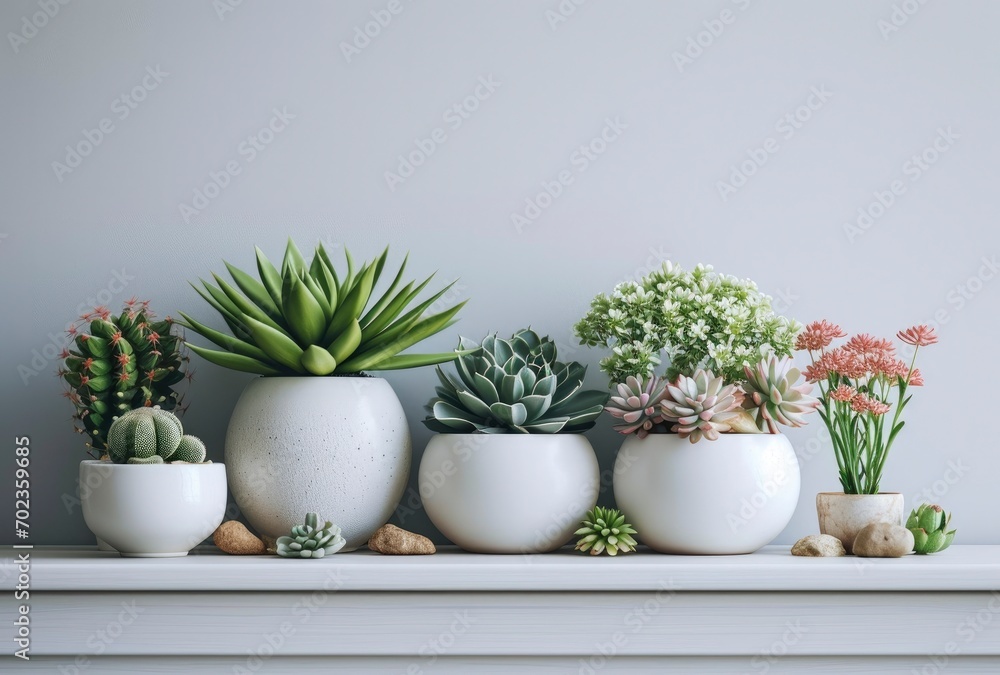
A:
773,395
117,363
152,436
311,540
929,525
701,406
605,531
307,320
514,385
638,405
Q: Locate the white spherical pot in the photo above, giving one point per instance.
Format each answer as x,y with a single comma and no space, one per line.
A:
152,511
843,516
509,493
723,497
337,446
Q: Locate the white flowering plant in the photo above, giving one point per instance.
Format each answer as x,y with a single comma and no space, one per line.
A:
729,367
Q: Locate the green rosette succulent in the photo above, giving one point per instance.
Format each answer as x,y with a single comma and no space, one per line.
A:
773,394
117,363
929,525
311,540
514,385
306,319
605,531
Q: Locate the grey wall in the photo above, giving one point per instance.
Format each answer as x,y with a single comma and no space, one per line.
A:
892,84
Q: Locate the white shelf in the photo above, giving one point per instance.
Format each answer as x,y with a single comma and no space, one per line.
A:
456,613
960,568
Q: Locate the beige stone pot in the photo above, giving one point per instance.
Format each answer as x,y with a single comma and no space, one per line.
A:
843,516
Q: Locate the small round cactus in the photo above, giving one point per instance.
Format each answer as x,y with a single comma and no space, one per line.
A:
311,540
929,525
152,436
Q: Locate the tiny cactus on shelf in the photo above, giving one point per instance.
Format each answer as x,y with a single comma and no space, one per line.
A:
638,405
773,395
929,525
513,385
701,406
605,531
310,540
117,363
152,436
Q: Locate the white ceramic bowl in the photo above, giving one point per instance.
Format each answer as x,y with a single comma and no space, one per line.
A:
152,511
509,493
723,497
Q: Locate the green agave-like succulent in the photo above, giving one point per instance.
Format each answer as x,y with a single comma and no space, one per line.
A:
605,531
513,386
123,362
311,540
929,525
307,320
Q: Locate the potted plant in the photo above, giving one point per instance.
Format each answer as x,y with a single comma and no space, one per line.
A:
315,433
115,364
861,382
155,496
510,471
729,382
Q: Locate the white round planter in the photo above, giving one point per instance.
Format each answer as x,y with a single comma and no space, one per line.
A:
843,516
509,493
152,511
723,497
337,446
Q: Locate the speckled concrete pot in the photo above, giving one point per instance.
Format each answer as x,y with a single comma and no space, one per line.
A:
843,516
339,446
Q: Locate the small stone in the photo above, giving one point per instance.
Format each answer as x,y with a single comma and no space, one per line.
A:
391,540
234,538
819,546
883,540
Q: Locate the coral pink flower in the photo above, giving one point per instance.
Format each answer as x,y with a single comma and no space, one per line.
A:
916,378
843,393
918,336
818,335
863,404
863,343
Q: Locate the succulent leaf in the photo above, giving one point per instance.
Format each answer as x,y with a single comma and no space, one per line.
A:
700,406
774,396
311,540
605,531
